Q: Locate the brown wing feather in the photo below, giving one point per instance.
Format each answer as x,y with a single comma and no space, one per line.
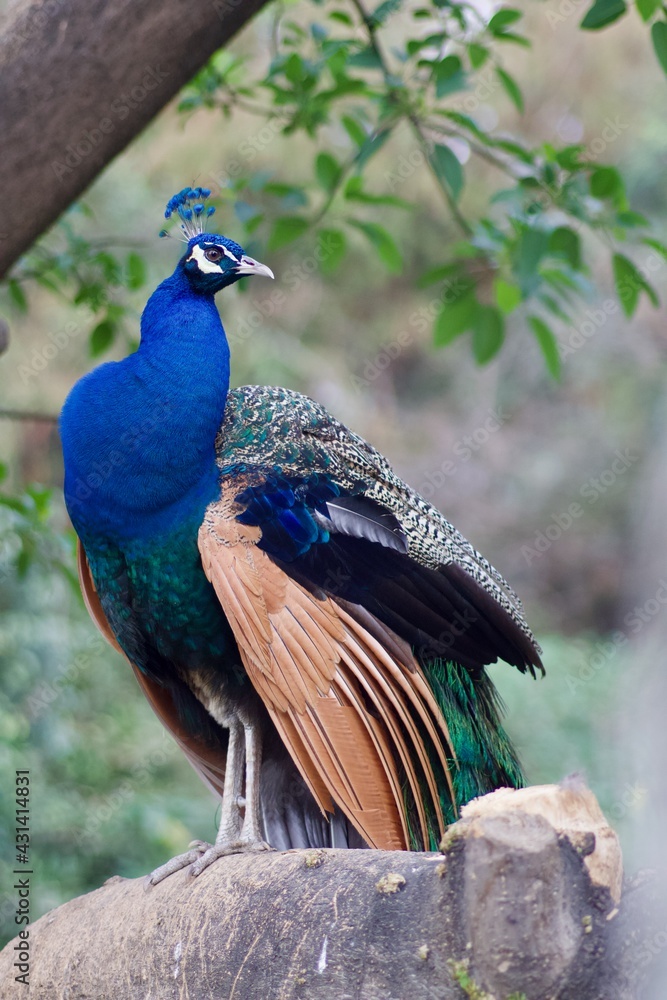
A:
347,707
208,762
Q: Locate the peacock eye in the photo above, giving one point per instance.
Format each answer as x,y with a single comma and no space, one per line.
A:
213,254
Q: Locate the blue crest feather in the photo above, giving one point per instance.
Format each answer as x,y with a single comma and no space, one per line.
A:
189,205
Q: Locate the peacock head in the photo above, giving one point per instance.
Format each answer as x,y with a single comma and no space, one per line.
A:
211,262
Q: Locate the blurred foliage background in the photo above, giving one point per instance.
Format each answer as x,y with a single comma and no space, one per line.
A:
550,457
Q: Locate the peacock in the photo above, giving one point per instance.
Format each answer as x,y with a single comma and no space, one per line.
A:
312,632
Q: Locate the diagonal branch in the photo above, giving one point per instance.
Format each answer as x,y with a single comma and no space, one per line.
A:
79,81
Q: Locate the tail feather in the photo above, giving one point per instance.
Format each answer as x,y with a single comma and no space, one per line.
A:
291,817
485,758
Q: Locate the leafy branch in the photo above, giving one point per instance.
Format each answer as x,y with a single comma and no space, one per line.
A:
525,253
337,77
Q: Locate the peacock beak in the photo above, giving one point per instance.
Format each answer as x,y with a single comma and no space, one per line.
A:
250,266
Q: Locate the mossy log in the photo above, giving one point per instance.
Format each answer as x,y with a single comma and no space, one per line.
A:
524,901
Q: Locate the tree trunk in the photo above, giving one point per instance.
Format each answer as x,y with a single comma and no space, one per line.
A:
522,903
78,81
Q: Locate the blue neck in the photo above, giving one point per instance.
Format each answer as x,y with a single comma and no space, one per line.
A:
139,435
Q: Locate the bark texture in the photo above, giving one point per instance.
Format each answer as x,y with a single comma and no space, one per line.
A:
78,81
517,905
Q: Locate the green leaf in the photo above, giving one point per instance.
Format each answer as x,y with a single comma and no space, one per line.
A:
603,12
606,182
13,503
294,69
383,11
565,242
386,249
354,129
527,254
332,245
508,296
435,274
17,295
102,337
510,36
569,158
372,144
631,219
630,283
455,317
656,245
511,88
136,270
548,345
554,307
354,191
286,229
449,76
477,54
342,18
366,58
448,168
327,171
659,39
502,19
3,471
647,8
488,333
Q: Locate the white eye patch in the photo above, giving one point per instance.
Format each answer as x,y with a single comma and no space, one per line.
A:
209,266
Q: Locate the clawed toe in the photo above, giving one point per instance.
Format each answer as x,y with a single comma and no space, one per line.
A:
197,848
201,855
224,850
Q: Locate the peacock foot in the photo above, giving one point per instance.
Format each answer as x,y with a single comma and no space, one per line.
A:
201,855
215,851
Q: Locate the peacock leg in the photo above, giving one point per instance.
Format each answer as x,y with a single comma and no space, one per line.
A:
232,840
251,832
229,830
245,748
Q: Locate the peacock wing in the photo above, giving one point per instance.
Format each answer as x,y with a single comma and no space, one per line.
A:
388,549
209,762
346,695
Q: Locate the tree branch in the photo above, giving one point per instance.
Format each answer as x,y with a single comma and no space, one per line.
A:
412,117
523,903
79,81
48,418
